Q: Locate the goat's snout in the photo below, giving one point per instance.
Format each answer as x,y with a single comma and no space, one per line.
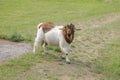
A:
69,32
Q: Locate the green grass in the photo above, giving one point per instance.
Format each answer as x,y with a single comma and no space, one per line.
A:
12,69
23,16
18,21
109,62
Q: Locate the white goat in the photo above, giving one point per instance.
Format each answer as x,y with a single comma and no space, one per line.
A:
49,33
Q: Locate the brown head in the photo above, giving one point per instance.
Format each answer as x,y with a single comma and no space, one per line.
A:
68,32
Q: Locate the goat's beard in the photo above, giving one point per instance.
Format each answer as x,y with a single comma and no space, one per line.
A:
70,36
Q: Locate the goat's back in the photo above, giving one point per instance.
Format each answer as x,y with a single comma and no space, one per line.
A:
52,37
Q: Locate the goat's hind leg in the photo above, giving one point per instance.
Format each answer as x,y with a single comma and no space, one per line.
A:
44,47
39,39
35,46
36,43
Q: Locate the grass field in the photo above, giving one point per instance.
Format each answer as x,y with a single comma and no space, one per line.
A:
95,51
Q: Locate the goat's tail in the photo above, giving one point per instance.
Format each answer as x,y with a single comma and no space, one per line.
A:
38,26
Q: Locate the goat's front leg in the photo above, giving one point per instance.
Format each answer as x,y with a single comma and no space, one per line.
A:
65,51
67,58
62,56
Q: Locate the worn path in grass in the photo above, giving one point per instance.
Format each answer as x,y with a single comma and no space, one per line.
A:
10,50
90,40
94,35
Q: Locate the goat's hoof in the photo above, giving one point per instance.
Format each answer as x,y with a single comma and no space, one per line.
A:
46,52
62,57
68,62
33,52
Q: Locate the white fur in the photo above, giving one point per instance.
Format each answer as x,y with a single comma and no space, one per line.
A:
53,37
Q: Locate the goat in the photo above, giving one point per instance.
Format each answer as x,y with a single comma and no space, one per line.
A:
50,34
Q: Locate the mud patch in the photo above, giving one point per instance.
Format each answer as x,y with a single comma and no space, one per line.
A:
9,50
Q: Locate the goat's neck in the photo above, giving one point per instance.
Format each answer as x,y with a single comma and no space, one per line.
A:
68,39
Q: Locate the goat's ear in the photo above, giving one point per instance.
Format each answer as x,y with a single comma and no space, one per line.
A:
73,26
74,29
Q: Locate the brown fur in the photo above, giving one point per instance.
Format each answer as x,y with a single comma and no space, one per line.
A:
47,26
69,36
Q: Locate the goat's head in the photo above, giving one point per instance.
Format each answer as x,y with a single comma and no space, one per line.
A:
68,32
70,29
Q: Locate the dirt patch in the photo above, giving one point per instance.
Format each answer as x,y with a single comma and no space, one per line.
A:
60,71
10,50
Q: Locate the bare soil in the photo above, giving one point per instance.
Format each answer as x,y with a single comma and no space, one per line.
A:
9,50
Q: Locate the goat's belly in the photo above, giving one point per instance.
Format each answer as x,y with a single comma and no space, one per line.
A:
52,42
52,39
